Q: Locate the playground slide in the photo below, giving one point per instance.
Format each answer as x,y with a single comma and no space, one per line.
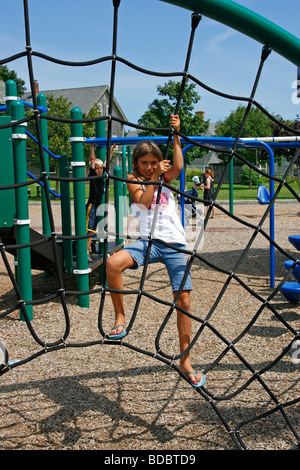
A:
42,255
296,271
263,195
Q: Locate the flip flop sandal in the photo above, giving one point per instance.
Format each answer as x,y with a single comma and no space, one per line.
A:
201,381
119,335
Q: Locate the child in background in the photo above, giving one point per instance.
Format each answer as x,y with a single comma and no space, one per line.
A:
97,168
208,190
193,192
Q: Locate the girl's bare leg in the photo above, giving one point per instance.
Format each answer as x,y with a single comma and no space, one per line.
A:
115,265
184,329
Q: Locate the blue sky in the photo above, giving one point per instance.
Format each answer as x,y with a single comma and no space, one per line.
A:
153,35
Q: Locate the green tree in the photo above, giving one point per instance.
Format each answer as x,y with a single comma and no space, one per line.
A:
257,125
159,111
58,132
288,153
6,74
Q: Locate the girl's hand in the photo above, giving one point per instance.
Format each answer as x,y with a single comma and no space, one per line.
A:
112,150
175,122
161,168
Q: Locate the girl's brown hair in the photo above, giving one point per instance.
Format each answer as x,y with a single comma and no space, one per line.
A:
141,149
210,173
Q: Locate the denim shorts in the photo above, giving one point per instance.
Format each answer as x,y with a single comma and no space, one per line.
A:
91,218
175,261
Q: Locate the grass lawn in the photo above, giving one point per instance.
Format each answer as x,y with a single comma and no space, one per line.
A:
240,192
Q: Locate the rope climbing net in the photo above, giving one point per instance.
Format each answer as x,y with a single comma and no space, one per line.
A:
256,373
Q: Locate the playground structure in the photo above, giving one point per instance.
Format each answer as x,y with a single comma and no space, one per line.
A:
291,290
44,253
69,253
21,222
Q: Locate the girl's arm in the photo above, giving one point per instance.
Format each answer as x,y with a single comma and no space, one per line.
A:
177,166
138,195
207,184
112,148
92,156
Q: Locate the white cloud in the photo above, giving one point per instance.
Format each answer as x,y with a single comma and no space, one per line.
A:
216,43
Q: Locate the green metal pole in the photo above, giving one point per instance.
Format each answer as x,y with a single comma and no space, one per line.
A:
118,203
82,271
101,154
42,101
100,132
22,212
124,185
231,186
7,196
247,22
129,172
11,95
66,212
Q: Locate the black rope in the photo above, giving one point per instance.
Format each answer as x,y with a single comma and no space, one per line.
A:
116,4
194,23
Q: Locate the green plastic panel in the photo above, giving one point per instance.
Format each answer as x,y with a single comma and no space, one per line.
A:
247,22
7,196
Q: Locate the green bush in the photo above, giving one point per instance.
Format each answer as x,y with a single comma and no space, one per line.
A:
191,171
256,177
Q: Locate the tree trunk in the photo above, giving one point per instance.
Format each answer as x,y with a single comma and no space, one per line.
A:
57,187
250,179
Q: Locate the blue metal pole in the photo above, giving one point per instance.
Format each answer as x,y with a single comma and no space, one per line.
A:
222,141
272,221
182,183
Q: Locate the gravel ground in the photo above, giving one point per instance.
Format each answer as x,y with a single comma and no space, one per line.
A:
114,397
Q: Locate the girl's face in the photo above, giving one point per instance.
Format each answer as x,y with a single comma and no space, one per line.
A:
147,165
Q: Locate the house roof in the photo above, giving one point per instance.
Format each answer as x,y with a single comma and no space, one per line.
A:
83,97
211,129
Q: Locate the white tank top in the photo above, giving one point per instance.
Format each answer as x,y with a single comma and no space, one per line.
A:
168,226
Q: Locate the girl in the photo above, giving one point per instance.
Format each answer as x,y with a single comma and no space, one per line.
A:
208,190
148,165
